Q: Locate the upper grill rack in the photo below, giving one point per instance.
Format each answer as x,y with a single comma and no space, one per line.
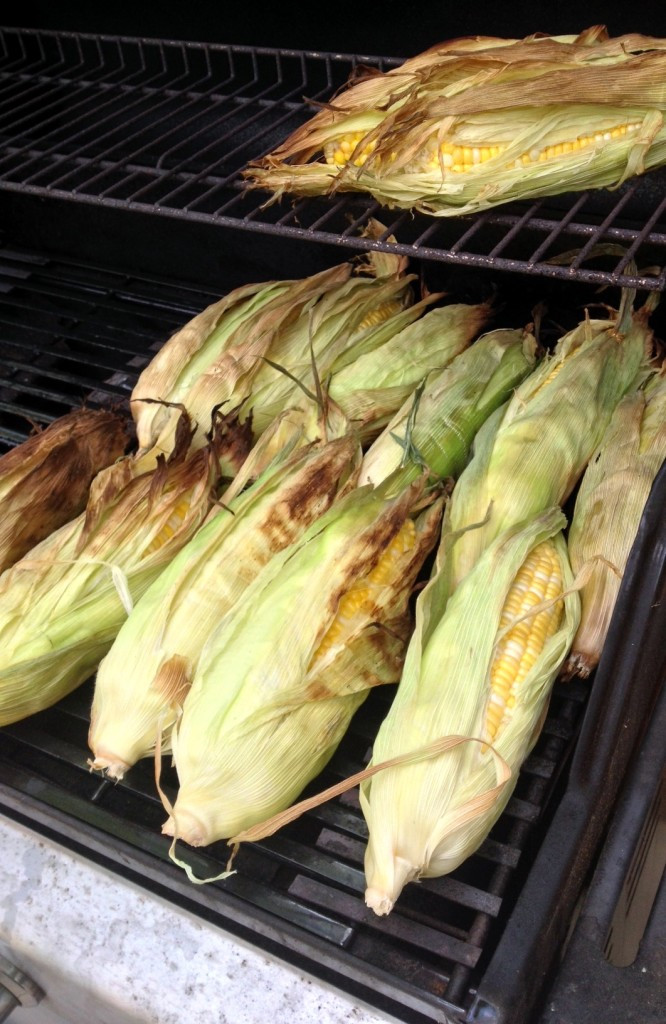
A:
167,127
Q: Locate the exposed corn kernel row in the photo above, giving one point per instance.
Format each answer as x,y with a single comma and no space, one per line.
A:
460,159
380,315
538,580
172,524
355,604
582,142
339,152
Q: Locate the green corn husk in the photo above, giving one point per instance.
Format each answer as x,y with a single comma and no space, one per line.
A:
331,335
510,100
165,633
270,702
529,456
608,510
452,407
44,482
372,387
235,354
213,358
426,817
62,605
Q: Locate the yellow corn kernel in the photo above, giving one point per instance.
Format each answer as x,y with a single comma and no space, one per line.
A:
380,315
358,601
169,528
539,580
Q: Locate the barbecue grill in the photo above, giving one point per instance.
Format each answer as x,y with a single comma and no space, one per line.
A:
123,214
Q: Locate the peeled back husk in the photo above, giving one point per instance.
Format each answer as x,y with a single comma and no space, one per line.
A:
167,630
275,691
426,817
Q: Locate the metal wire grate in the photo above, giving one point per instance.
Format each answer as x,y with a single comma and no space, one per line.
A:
166,127
71,332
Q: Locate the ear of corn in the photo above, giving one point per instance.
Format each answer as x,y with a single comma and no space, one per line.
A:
372,387
165,633
356,317
452,407
609,505
475,672
275,688
462,128
532,456
220,357
191,352
44,482
224,376
63,603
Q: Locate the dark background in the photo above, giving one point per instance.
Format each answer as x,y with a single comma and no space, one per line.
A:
387,27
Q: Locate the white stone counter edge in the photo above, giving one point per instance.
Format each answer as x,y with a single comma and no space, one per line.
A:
107,952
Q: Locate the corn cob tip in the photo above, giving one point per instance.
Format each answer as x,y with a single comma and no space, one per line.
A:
112,766
382,900
378,901
579,664
188,828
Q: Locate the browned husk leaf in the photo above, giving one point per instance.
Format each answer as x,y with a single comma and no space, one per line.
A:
51,474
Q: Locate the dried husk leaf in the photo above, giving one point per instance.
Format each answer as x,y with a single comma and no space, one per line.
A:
222,373
44,482
189,352
609,505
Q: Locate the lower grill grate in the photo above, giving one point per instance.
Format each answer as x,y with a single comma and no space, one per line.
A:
429,953
71,332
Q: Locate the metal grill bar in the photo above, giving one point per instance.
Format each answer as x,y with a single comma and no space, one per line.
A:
149,125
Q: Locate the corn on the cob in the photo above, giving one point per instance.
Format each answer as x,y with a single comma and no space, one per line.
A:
609,505
482,671
351,320
63,603
452,407
474,123
231,354
276,685
166,631
44,482
372,387
530,456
